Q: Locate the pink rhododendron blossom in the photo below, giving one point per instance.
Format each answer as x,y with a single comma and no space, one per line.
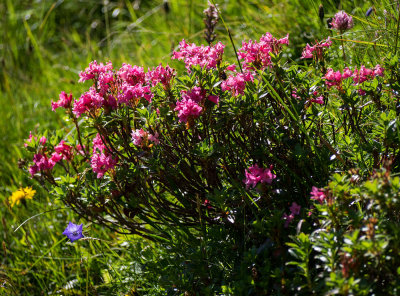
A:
55,157
318,100
237,84
256,55
43,140
196,94
104,82
317,194
378,70
140,137
29,140
187,108
41,164
132,75
94,70
130,93
88,102
214,99
205,56
64,150
101,160
255,175
101,163
316,51
64,101
295,209
160,75
342,21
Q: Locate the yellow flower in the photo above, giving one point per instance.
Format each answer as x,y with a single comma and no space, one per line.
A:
21,194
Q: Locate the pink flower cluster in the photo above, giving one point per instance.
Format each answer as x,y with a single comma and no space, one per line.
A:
189,106
333,78
318,195
160,75
64,101
316,98
94,70
112,88
316,51
294,210
101,160
256,55
342,21
141,138
237,84
42,163
88,102
255,175
131,75
205,56
64,150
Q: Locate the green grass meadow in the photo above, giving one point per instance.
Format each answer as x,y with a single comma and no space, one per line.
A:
43,47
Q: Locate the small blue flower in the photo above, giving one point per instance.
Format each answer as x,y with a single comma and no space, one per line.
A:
73,231
369,11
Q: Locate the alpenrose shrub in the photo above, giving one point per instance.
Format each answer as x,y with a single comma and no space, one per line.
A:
218,163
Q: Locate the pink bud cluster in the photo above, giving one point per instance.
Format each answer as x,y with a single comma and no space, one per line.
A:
342,21
255,175
204,56
141,138
42,140
189,106
318,194
236,84
101,160
294,210
316,51
333,78
256,55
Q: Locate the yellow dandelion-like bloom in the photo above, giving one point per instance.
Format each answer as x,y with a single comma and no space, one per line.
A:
21,194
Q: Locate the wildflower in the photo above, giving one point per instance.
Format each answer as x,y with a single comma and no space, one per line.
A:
131,75
255,175
88,102
41,163
295,209
237,84
64,150
256,55
342,21
318,195
140,137
317,50
21,195
101,160
131,94
73,231
94,70
64,101
210,20
187,108
160,75
204,56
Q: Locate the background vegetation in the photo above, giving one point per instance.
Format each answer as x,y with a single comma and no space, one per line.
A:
44,46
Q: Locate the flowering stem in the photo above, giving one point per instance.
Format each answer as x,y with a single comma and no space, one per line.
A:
229,34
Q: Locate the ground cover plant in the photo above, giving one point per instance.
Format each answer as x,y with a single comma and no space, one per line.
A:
245,174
